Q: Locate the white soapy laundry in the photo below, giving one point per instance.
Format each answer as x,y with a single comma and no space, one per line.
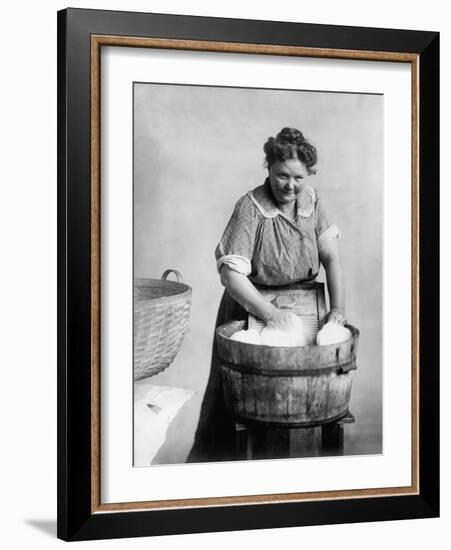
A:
275,337
250,336
332,333
293,335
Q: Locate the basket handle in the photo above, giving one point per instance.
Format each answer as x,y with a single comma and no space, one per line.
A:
176,273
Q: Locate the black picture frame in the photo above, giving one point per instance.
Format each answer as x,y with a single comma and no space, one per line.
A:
78,516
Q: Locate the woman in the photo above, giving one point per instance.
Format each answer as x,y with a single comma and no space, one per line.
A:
278,235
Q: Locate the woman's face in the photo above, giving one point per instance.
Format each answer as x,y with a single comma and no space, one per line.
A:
286,179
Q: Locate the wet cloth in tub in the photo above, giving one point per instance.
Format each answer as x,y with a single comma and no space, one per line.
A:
294,335
332,333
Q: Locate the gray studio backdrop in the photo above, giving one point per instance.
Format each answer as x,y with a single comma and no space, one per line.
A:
196,151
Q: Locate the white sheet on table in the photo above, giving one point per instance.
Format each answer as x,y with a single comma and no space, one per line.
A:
155,408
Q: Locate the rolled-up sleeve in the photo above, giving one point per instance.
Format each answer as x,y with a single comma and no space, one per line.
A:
324,231
236,247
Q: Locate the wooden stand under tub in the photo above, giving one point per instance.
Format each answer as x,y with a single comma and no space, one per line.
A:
254,441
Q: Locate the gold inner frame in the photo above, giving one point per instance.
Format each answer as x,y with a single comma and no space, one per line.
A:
97,41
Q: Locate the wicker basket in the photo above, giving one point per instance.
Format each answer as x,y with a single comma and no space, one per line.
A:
161,318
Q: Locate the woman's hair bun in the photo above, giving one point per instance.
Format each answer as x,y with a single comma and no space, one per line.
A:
291,135
290,143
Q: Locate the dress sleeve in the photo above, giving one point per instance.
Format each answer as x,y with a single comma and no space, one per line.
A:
324,231
236,247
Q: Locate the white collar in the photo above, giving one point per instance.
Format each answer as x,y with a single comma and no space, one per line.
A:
262,198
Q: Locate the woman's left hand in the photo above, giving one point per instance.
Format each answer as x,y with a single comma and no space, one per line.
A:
336,315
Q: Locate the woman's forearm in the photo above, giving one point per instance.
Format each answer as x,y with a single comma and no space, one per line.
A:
245,293
335,284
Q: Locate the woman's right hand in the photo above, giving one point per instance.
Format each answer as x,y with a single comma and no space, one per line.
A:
284,320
